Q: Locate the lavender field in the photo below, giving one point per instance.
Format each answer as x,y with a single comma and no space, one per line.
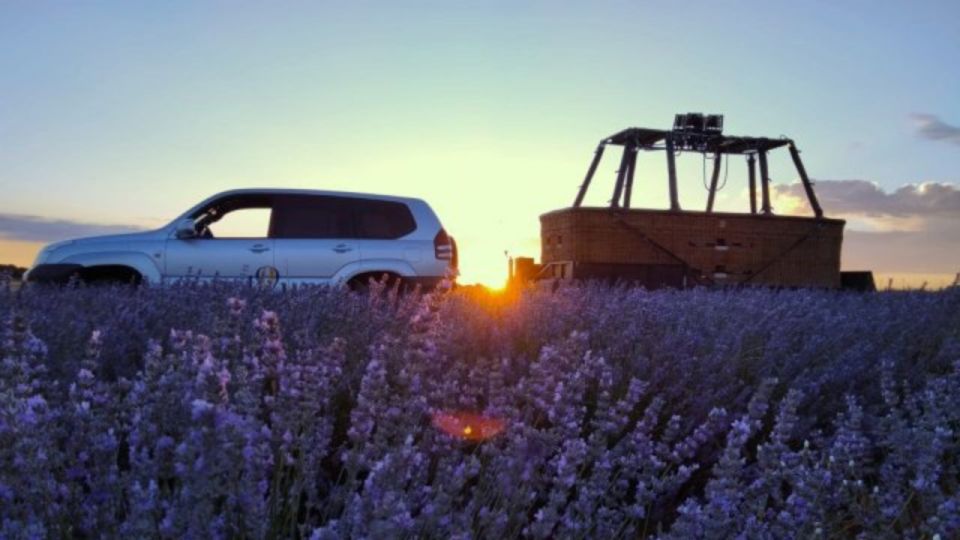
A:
589,412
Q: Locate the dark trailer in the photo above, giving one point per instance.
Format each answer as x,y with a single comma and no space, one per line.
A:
682,248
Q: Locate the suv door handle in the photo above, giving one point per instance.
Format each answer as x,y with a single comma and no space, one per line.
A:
343,248
259,248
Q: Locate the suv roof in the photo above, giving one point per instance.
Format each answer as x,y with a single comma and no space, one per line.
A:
293,191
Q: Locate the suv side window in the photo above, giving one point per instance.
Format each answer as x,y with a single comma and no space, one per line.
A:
383,219
238,216
243,223
312,216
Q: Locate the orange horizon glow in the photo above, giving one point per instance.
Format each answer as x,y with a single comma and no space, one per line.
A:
19,253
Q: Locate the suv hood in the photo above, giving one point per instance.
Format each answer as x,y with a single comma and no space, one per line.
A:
125,237
58,251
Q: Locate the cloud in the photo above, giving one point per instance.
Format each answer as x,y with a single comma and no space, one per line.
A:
861,198
915,228
930,126
38,229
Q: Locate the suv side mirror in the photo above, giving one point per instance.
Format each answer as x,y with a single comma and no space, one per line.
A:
186,228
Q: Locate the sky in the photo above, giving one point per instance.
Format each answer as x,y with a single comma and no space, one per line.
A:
121,115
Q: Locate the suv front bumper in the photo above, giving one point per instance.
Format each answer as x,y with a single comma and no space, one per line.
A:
52,273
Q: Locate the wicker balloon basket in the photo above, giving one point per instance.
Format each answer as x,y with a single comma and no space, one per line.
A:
668,248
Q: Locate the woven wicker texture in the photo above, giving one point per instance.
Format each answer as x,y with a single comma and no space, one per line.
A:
722,248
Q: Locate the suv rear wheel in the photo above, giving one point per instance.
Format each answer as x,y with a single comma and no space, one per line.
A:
361,282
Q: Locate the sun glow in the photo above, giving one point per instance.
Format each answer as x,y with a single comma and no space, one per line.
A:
488,275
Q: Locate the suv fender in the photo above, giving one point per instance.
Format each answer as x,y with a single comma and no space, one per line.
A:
138,261
348,272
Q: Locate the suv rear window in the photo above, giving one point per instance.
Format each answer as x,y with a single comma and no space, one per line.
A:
383,219
312,217
319,216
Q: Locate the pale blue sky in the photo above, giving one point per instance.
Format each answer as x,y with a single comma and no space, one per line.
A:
128,112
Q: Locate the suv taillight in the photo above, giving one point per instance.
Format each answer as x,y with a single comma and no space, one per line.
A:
445,247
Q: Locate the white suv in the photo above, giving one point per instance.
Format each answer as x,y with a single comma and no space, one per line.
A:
269,236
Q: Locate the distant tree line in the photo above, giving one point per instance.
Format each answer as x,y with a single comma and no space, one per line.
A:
11,270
